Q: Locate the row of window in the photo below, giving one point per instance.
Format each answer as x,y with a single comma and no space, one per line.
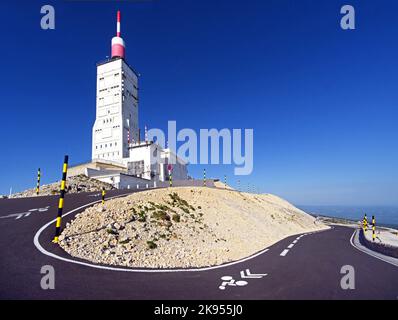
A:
114,127
115,75
106,145
107,155
116,94
106,89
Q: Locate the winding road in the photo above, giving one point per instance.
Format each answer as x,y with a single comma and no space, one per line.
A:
304,266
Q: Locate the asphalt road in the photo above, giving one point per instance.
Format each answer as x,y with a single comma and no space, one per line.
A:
310,269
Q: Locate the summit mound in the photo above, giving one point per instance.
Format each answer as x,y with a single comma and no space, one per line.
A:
182,227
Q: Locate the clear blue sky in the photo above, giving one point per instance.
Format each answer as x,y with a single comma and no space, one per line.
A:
322,101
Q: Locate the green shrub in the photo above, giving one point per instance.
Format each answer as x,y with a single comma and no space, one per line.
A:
176,217
161,215
151,244
111,231
185,209
142,216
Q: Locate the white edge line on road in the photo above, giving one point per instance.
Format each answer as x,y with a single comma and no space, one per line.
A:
45,252
367,252
284,252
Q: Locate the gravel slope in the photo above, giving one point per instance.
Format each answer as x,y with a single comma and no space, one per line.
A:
182,227
74,184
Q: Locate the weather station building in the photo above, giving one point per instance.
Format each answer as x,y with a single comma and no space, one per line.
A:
119,156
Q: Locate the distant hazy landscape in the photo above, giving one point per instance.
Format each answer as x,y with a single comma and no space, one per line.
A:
385,215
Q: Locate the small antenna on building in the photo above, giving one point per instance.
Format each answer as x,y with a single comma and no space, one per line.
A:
146,134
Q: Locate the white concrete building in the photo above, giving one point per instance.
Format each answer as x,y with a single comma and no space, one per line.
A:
117,110
119,156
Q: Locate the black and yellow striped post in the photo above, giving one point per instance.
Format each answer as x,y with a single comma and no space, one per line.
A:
373,228
103,195
365,223
61,200
170,179
38,182
225,181
204,177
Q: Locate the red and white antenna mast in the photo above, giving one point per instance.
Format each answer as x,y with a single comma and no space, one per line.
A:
118,33
118,45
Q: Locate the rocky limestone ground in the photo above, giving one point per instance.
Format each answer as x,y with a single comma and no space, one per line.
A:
75,184
182,227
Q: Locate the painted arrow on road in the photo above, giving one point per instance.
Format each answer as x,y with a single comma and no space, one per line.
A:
251,276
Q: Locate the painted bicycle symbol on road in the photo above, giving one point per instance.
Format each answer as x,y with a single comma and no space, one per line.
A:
25,214
244,274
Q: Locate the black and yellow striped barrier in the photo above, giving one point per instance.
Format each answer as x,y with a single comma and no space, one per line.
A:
38,182
365,223
103,196
373,228
204,177
61,200
170,180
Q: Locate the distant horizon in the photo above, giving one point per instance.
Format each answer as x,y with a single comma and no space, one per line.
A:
385,215
351,205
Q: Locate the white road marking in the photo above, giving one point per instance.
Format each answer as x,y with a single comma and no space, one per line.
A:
26,214
250,275
45,252
229,281
284,252
369,252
